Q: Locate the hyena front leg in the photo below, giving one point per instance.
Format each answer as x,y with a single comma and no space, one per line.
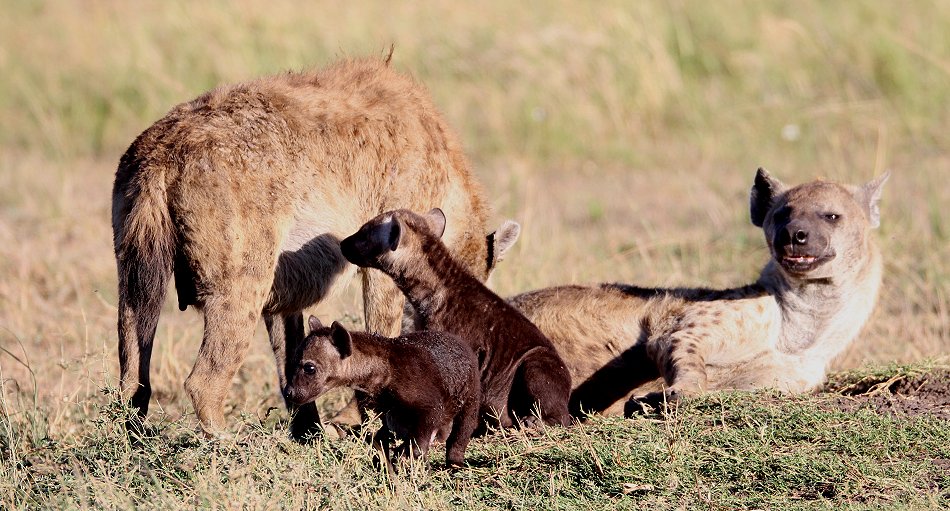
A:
286,332
681,360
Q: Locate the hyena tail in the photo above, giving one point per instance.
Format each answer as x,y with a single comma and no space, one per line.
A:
144,240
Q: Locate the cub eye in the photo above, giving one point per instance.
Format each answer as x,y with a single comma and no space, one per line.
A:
832,217
310,368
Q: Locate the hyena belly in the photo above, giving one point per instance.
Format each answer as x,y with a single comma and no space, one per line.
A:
310,267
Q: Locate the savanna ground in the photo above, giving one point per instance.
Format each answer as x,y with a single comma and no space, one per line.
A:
623,136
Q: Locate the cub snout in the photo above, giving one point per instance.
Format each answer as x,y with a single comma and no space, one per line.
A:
294,395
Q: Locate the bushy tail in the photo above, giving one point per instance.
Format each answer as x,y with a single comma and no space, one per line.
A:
144,240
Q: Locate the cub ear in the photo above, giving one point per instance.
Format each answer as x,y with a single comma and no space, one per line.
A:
764,191
870,196
314,323
501,241
395,234
341,339
436,220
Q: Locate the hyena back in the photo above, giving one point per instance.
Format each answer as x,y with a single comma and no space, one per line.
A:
242,196
809,303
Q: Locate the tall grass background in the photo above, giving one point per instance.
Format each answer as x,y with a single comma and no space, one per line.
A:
623,136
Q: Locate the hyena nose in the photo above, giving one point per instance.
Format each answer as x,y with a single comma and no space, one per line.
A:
800,237
288,393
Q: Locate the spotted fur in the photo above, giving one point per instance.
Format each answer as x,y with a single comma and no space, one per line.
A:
782,331
243,195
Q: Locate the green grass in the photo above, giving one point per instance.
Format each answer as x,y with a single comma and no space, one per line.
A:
732,450
623,136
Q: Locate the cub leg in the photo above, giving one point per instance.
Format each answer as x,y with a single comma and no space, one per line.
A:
548,385
422,436
463,427
382,441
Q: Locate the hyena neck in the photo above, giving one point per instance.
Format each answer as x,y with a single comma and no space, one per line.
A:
435,282
367,369
821,317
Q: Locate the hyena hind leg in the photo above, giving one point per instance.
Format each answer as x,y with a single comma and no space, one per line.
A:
142,288
229,326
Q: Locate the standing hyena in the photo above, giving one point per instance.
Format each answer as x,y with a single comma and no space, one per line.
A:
243,193
809,303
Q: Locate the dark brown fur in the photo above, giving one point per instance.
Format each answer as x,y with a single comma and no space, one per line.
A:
243,194
421,383
520,368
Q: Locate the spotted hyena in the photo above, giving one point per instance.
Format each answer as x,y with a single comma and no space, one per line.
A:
810,301
421,383
243,194
520,369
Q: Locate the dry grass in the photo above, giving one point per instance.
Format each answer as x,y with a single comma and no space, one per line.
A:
623,138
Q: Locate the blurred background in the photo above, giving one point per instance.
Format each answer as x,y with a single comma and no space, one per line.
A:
623,136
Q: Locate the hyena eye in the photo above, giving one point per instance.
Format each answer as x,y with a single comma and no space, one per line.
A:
310,368
832,217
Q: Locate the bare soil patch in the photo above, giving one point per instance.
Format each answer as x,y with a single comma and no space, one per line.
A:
901,394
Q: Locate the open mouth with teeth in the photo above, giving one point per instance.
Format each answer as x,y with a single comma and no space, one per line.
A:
803,263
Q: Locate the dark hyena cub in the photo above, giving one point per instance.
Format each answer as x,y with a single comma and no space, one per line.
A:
422,383
520,368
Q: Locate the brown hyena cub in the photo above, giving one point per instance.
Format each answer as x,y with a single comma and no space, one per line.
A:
421,383
520,368
808,304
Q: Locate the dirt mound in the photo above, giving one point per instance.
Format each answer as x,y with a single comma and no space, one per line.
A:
915,395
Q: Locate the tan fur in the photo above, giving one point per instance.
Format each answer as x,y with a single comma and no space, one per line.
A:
780,332
243,195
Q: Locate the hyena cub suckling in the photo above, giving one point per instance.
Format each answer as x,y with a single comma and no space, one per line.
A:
521,370
809,303
421,383
242,195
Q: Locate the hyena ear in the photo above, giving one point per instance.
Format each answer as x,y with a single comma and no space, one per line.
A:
501,241
314,323
870,197
395,234
341,339
764,191
436,220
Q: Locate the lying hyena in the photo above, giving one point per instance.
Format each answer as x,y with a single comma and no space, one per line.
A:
243,194
809,303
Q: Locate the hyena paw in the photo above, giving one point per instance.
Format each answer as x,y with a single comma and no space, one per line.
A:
654,402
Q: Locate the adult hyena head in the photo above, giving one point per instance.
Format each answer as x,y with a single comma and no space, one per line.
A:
393,241
817,230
